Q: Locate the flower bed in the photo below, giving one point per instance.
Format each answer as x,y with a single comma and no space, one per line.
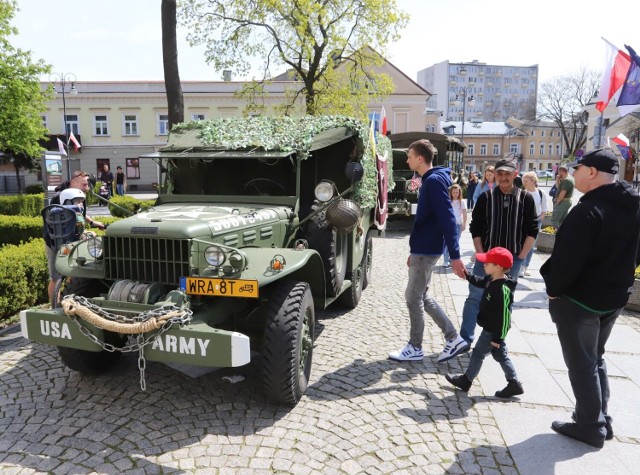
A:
546,239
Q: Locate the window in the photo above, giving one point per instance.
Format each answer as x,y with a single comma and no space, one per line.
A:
44,121
100,125
542,133
514,148
542,150
197,116
73,124
130,124
558,148
533,133
483,149
133,168
496,149
163,124
550,149
470,149
532,148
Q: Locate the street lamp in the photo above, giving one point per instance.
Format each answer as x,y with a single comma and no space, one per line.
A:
464,93
64,79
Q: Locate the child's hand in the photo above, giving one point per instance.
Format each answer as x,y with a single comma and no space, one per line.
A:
495,345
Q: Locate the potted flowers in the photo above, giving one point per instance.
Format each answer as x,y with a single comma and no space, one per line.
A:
546,239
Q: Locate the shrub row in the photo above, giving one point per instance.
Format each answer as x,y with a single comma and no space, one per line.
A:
23,277
130,204
21,205
18,229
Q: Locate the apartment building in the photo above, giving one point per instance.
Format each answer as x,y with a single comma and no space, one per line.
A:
476,91
535,145
115,122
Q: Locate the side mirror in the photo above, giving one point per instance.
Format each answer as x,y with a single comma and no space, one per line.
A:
92,180
354,171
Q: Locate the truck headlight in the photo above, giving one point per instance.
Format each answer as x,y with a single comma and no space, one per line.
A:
94,247
324,191
214,256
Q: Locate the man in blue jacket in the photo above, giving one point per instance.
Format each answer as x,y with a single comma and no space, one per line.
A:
588,279
434,225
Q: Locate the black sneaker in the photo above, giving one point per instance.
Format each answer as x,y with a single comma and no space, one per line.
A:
460,381
513,388
608,427
571,429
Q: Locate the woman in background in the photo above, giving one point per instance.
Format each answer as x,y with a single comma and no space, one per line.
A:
487,183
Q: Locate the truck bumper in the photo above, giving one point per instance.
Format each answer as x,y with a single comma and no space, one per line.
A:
193,344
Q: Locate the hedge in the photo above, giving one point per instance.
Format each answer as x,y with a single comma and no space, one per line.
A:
21,205
24,277
18,229
129,203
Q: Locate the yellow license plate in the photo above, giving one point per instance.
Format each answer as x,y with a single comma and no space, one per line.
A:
219,287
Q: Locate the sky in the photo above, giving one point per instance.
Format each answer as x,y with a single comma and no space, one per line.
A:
121,40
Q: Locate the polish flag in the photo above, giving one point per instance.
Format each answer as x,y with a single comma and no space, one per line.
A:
616,66
61,147
383,122
72,138
621,140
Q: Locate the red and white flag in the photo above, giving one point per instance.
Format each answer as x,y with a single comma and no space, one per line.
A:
616,66
72,138
383,122
61,147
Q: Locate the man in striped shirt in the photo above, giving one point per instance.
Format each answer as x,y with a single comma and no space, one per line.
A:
504,216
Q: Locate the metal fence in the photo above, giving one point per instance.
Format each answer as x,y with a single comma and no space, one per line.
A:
9,185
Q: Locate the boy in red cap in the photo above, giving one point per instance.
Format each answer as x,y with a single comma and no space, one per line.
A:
495,319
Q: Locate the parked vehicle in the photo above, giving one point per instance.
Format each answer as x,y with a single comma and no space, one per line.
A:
259,222
403,199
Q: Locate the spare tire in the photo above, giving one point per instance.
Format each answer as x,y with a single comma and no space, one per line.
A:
332,247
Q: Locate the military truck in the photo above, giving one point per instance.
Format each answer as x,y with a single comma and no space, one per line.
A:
258,223
403,197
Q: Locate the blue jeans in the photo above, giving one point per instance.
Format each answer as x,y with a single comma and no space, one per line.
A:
419,301
482,349
120,190
447,257
527,259
472,304
583,336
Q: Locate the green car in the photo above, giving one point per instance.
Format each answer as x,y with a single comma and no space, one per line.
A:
258,223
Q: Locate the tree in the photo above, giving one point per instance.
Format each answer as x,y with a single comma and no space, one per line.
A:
329,46
22,97
173,88
562,100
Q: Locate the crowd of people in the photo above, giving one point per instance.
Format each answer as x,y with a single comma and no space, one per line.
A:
587,278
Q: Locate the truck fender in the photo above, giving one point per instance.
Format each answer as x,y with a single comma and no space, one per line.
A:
302,265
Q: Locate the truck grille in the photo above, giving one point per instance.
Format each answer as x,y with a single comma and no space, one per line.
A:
146,259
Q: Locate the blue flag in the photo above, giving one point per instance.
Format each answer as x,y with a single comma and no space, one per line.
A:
630,94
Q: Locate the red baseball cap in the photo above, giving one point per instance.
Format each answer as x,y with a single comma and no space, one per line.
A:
498,255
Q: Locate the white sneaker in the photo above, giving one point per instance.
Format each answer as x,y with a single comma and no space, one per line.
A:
453,348
408,353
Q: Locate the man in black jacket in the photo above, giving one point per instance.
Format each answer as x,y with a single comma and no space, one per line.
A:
588,279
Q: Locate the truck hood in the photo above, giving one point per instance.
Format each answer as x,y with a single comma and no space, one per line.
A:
183,221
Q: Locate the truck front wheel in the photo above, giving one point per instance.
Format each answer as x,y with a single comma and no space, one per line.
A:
287,346
82,361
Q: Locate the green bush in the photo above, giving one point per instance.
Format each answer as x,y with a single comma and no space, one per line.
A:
24,277
34,189
18,229
129,203
21,205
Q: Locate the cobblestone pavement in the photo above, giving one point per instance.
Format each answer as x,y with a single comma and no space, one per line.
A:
361,414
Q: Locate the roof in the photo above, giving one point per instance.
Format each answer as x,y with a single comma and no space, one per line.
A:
477,128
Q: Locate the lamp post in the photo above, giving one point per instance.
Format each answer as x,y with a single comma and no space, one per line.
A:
464,92
64,79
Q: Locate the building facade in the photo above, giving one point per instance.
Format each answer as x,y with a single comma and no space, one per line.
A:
116,122
535,145
477,91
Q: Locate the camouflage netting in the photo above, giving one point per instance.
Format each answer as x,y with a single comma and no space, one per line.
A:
292,134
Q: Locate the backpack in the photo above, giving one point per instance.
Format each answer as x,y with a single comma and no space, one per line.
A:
553,191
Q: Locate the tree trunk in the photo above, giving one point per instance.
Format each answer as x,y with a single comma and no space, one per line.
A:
17,168
175,101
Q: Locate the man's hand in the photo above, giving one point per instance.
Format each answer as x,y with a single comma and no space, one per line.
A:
409,261
495,345
458,268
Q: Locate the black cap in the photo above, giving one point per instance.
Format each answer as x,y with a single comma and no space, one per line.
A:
506,166
602,160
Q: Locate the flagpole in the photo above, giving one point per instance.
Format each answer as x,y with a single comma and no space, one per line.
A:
64,79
